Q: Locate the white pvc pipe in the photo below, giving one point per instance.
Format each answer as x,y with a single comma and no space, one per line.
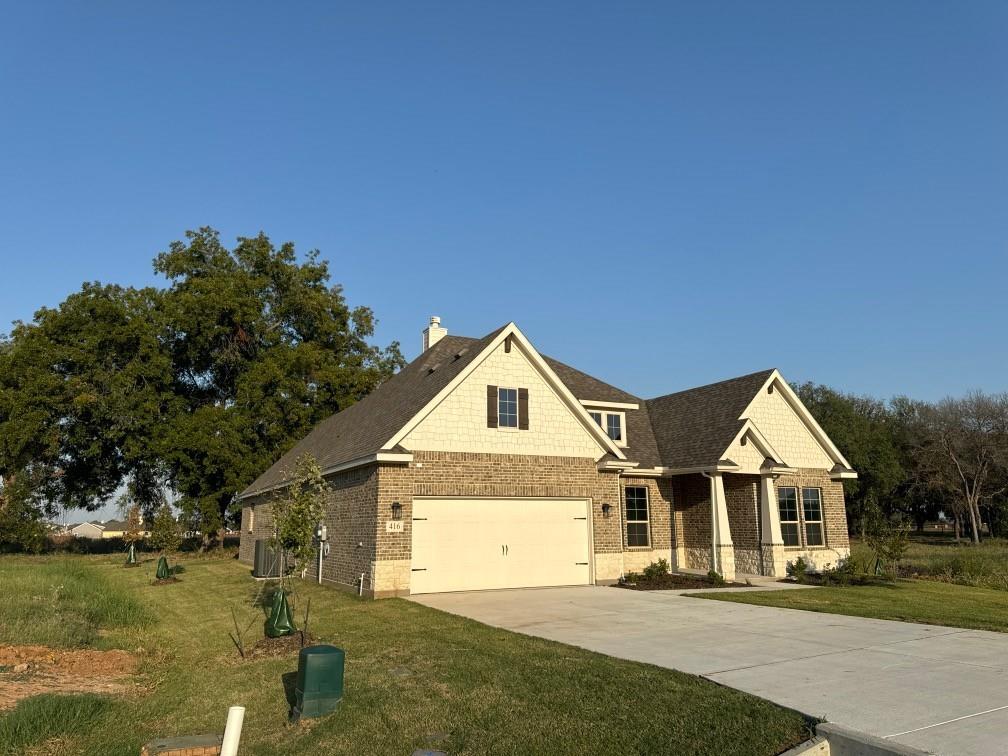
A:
232,731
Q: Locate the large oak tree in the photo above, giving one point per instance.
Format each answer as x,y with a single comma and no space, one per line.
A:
196,387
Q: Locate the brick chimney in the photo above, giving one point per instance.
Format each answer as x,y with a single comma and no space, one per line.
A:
433,333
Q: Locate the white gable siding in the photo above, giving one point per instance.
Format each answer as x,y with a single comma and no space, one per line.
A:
747,455
459,423
786,432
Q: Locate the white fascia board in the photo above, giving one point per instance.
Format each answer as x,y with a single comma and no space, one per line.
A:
720,467
646,472
777,381
518,338
387,457
619,464
609,405
844,475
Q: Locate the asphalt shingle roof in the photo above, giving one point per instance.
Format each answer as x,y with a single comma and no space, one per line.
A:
684,429
364,427
694,427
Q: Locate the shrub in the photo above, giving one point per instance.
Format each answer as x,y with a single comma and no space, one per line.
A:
715,578
889,542
165,535
798,570
845,573
656,570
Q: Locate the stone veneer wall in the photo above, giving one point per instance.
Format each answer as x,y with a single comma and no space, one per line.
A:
834,518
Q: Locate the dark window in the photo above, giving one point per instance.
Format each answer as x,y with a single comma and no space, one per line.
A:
787,504
507,408
812,510
597,417
637,516
614,427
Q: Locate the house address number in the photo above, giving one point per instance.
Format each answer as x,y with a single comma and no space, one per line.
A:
394,526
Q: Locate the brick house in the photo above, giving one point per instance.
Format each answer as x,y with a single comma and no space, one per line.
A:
484,464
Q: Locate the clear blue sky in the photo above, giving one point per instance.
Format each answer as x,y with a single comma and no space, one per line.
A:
663,195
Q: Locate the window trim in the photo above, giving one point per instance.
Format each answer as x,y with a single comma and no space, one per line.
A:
517,408
802,523
604,414
628,522
821,522
796,521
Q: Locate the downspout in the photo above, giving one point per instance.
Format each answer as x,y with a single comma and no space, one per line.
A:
759,531
713,524
619,506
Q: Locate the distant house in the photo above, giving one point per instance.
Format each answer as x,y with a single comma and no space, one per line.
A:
93,529
119,528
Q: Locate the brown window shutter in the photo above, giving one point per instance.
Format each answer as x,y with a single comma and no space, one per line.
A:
523,409
491,406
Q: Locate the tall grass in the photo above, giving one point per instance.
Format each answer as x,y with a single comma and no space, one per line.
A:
983,565
62,602
40,718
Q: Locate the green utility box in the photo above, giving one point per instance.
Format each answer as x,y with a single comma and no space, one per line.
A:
319,681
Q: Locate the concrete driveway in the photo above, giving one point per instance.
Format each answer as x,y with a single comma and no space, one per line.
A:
940,689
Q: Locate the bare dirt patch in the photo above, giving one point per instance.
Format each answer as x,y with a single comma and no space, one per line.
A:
285,645
30,670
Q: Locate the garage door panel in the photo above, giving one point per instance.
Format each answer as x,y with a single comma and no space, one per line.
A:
474,544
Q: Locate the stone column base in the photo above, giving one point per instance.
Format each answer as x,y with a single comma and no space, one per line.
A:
726,560
774,561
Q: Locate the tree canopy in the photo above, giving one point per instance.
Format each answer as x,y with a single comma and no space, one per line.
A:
195,387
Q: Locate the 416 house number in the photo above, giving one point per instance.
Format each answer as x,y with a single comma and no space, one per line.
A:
394,526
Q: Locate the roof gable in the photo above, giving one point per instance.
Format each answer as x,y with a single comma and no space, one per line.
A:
694,428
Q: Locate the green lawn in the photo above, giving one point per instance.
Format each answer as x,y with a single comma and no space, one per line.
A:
415,677
933,603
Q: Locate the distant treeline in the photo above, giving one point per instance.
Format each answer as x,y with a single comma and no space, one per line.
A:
917,459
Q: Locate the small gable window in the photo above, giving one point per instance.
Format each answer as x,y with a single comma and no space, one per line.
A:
613,423
507,407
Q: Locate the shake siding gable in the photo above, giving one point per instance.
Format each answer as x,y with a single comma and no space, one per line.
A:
788,434
462,422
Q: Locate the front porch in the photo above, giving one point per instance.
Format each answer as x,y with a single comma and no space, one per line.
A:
730,522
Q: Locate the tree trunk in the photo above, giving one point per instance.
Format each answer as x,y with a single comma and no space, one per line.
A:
955,527
974,530
977,519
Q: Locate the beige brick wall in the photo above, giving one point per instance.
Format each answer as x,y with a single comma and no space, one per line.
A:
662,526
464,474
459,423
834,517
351,520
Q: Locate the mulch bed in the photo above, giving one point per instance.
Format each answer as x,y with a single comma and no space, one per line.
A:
166,581
677,581
285,645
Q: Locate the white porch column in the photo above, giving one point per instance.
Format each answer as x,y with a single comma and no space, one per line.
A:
774,562
722,548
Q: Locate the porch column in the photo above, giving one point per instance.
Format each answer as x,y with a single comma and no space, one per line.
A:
774,562
722,548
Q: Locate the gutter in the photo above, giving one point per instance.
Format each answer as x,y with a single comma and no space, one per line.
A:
386,457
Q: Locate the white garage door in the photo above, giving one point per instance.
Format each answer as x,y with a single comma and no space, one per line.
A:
475,544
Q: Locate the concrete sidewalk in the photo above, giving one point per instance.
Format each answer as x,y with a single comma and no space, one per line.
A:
940,689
